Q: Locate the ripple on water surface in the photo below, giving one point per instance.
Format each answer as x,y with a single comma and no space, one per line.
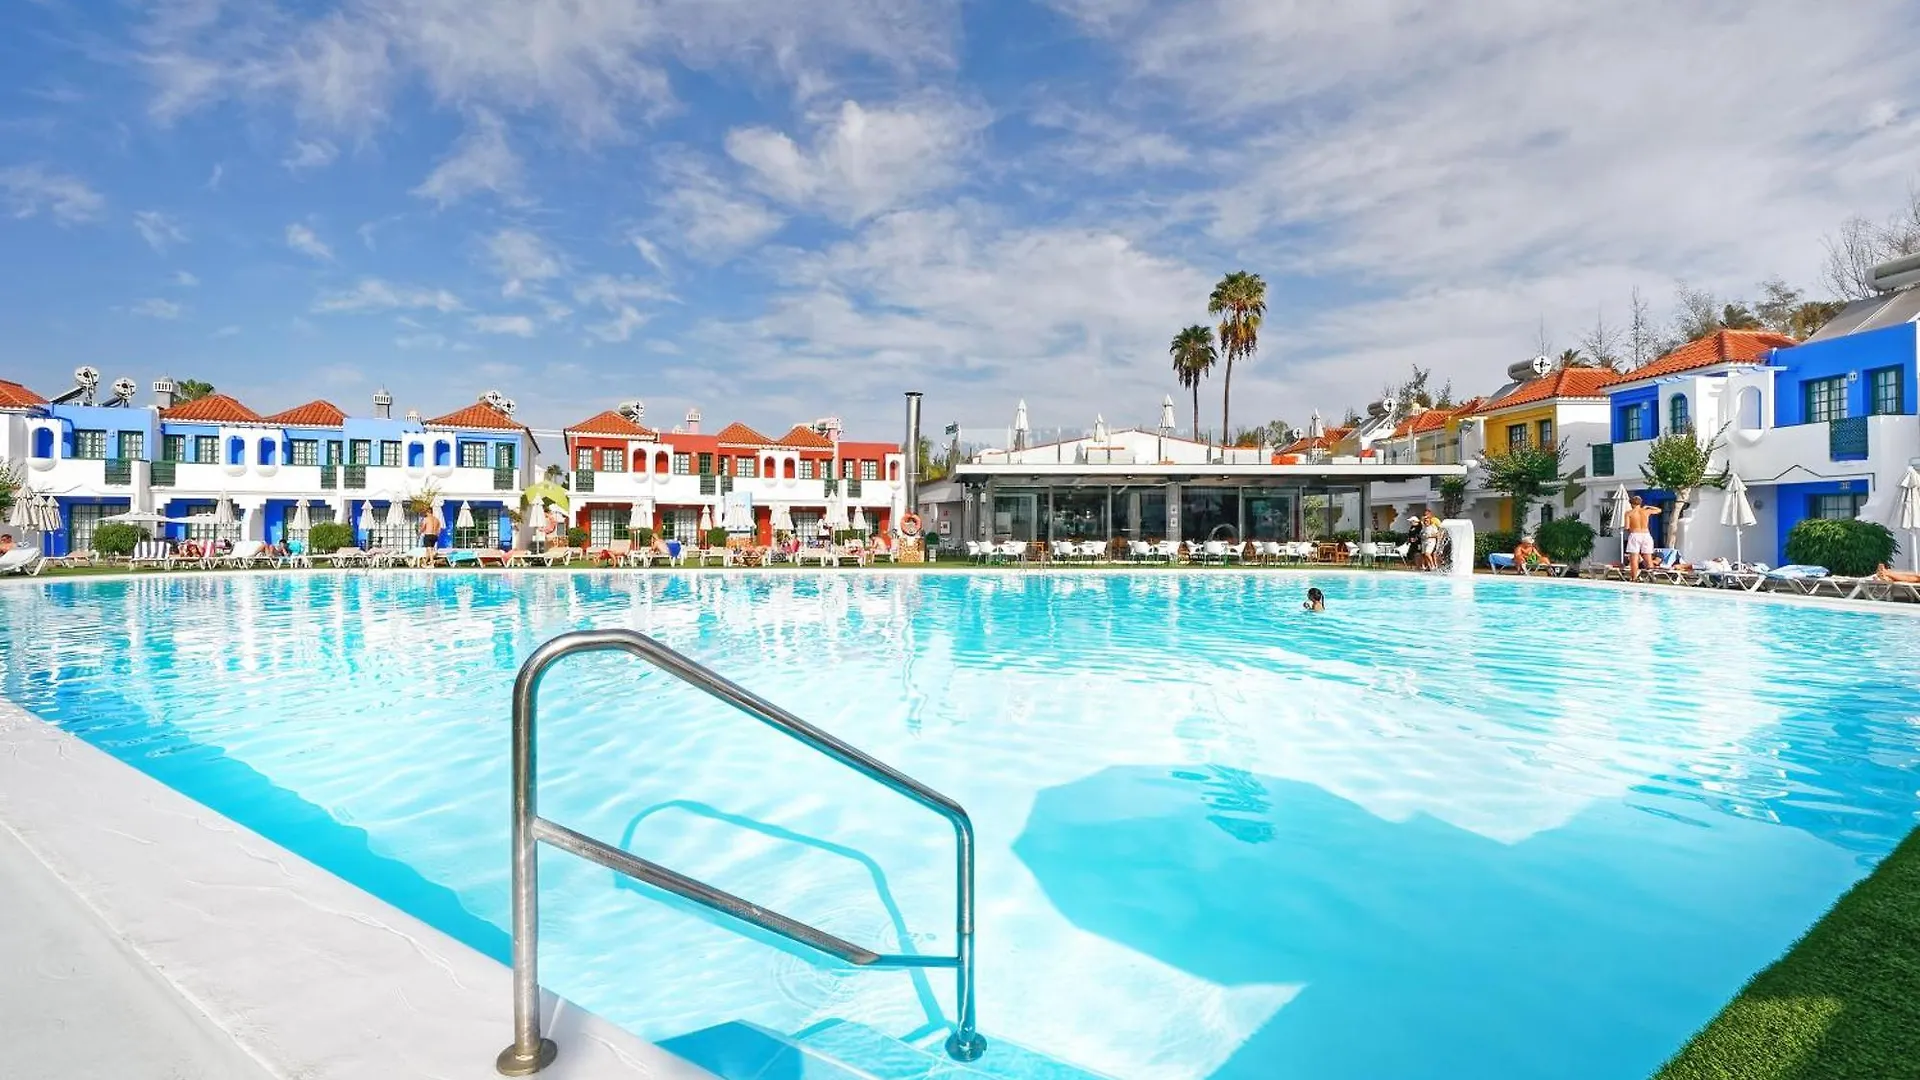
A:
1443,829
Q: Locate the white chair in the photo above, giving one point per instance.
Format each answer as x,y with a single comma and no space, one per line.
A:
22,560
1369,552
1394,552
976,551
1093,551
1167,551
1062,551
1139,551
1269,551
1213,549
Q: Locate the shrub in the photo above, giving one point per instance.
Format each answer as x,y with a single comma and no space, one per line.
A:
1453,496
643,537
716,537
1566,540
1853,548
1486,543
577,537
329,536
118,538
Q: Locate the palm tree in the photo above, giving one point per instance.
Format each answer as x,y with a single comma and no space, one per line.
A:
1240,301
191,390
1193,358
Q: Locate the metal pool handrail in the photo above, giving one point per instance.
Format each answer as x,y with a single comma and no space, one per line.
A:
530,1052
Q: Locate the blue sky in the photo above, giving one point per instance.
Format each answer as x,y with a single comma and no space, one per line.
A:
776,210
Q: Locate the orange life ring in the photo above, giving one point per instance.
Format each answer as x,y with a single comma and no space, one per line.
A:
909,524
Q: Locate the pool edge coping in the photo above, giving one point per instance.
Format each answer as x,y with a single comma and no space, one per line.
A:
308,974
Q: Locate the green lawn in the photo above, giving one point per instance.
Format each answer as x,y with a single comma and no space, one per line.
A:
1842,1004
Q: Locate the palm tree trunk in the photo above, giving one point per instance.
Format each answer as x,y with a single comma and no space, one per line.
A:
1226,404
1196,410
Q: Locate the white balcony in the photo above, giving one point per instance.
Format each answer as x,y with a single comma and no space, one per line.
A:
685,490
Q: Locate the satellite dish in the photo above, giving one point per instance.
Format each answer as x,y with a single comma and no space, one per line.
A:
1542,365
124,389
88,377
635,410
507,405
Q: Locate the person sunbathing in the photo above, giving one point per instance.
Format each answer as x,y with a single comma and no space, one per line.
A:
1903,577
1528,555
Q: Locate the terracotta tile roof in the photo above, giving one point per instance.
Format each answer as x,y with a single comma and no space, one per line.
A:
1725,347
1569,382
1322,442
1424,421
739,434
478,416
15,396
213,409
611,423
806,438
312,414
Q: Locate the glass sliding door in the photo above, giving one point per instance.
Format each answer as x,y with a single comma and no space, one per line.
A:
1015,516
1079,514
1210,513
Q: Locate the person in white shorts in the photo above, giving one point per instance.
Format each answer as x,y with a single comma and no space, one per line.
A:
1639,536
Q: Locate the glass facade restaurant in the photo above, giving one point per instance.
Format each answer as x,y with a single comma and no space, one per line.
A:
1153,512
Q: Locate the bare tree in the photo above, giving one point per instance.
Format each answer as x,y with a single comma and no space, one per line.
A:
1696,313
1542,344
1860,245
1643,340
1601,345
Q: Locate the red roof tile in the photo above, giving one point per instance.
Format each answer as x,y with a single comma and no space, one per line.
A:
1725,347
611,423
806,438
738,434
1568,382
1322,442
312,414
212,409
478,416
15,396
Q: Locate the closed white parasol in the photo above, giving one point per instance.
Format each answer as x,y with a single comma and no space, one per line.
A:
1737,513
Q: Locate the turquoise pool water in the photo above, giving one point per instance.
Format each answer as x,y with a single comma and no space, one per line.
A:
1445,829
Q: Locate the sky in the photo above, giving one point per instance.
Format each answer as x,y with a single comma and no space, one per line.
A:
776,211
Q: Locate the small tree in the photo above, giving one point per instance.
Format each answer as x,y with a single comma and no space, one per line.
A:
329,536
11,481
1681,463
118,538
1453,496
1566,539
1526,474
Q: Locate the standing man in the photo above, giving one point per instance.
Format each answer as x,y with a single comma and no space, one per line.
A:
429,529
1639,536
1429,541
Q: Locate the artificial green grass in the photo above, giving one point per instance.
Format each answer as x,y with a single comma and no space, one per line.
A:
1842,1004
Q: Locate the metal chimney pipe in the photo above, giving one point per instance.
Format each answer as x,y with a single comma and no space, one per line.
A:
912,467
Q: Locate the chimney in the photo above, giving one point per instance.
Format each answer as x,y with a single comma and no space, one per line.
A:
911,465
382,404
163,393
693,421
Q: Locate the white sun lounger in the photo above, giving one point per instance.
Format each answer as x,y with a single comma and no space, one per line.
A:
22,560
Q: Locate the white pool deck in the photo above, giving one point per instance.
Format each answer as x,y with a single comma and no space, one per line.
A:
145,937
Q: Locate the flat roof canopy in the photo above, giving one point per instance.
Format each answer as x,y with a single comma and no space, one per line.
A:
1068,473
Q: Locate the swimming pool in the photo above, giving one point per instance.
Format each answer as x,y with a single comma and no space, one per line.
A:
1448,828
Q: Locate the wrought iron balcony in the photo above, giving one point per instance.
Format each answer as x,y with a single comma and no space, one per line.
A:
583,481
1847,439
329,477
503,478
354,478
161,473
1602,459
119,472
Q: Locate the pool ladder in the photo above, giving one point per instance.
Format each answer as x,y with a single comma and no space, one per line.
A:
531,1052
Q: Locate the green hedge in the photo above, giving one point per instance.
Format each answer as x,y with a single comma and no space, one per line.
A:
1566,540
1486,543
577,537
1853,548
118,538
327,537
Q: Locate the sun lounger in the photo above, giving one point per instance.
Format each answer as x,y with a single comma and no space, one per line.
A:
1799,577
490,557
822,555
517,557
245,553
558,556
157,554
22,560
347,556
616,551
76,559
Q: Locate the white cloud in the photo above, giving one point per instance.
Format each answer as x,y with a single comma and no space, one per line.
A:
158,230
226,332
480,161
649,251
515,325
185,280
214,177
156,308
1103,143
522,259
30,190
310,154
421,341
303,240
619,328
611,292
861,161
373,294
706,219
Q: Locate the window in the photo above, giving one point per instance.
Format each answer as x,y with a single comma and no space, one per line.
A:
1824,399
1633,423
1843,506
390,453
681,525
133,445
1546,513
1516,437
1679,416
682,464
724,465
304,452
236,451
173,448
360,452
43,442
1884,392
206,449
82,519
806,470
869,470
268,452
473,455
706,464
806,524
336,451
416,455
600,526
746,466
1545,428
483,533
442,453
503,456
613,460
583,459
90,444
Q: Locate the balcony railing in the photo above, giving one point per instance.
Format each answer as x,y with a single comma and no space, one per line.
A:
119,472
161,473
354,477
1603,459
1847,439
832,485
503,478
853,488
709,483
329,477
583,481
